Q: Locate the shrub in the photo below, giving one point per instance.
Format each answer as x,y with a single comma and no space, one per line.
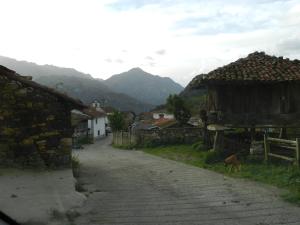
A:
213,157
85,140
198,146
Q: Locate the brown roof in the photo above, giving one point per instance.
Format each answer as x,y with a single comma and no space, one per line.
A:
256,67
94,113
12,75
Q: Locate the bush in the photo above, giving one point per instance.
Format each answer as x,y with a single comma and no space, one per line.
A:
198,146
152,144
85,140
213,157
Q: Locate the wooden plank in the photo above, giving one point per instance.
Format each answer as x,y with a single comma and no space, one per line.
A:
286,147
282,141
267,147
282,157
297,152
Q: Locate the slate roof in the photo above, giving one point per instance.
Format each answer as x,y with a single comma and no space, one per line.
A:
256,67
12,75
94,113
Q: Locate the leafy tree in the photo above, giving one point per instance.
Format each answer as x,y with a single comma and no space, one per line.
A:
177,106
117,121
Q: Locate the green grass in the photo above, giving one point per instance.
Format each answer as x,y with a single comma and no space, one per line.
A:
283,176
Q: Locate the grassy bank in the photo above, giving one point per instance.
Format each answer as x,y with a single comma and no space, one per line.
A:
283,176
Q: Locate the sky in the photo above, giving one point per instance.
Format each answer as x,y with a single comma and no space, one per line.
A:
174,38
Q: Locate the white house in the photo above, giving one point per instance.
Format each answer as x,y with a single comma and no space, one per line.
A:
98,122
162,114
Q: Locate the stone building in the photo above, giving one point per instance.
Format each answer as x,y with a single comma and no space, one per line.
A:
35,122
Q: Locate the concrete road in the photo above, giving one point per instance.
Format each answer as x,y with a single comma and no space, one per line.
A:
132,187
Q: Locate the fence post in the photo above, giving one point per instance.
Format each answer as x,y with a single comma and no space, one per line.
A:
267,147
297,152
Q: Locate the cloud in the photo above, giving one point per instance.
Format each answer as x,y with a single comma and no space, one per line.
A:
289,46
149,58
161,52
108,60
193,36
119,61
123,5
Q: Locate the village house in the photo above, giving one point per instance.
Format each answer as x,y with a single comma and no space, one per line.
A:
98,122
162,114
35,122
258,91
80,124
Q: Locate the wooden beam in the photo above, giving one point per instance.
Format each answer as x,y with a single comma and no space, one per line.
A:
282,157
282,141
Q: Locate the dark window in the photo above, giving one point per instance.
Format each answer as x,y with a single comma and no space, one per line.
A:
96,121
98,132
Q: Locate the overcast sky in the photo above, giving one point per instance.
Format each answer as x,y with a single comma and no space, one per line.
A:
174,38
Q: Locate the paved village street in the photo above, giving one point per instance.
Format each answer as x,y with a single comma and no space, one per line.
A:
132,187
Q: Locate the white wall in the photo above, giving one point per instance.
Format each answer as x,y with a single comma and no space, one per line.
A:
97,126
166,116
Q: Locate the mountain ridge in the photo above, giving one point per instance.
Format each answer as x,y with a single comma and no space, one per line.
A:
76,84
144,86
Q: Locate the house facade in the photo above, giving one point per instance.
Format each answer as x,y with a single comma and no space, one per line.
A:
98,122
162,114
80,124
35,122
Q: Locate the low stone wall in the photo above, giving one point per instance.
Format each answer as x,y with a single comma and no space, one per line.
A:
169,136
158,137
35,126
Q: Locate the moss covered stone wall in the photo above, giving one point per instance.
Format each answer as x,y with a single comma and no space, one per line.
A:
35,126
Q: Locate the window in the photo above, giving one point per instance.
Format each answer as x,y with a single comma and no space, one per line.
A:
96,121
98,132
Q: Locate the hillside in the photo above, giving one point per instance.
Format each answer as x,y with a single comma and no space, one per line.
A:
76,84
143,86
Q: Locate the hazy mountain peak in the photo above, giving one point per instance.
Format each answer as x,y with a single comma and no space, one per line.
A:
136,69
144,86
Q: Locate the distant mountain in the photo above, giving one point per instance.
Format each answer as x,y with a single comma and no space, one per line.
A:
35,70
76,84
143,86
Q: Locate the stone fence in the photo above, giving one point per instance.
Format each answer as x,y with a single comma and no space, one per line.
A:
158,137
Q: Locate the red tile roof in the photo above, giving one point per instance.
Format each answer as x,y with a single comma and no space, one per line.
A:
256,67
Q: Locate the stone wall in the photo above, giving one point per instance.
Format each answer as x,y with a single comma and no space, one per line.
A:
35,126
169,136
158,137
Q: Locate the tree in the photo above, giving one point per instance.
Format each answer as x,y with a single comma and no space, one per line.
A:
117,121
177,106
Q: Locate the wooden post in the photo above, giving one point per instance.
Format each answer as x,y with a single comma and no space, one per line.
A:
282,134
219,141
215,141
252,133
267,147
297,152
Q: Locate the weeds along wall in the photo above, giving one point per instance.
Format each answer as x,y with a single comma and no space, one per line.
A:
35,126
